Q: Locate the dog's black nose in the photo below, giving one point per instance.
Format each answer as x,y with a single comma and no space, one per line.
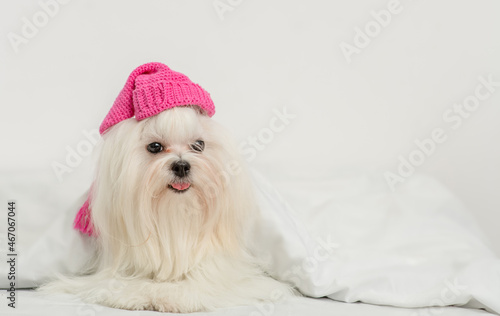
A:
181,168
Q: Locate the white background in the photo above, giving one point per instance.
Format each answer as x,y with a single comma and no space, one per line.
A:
257,57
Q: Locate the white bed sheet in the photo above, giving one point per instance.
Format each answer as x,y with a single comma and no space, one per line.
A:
31,303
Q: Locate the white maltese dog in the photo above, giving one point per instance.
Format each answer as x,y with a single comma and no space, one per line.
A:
169,206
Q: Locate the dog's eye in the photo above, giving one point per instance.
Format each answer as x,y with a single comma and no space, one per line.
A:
154,148
198,145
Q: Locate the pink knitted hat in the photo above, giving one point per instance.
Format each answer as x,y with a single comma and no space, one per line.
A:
149,90
153,88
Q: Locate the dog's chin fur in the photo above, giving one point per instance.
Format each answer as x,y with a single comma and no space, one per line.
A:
158,249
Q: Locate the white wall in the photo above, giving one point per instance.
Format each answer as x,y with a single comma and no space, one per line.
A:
263,56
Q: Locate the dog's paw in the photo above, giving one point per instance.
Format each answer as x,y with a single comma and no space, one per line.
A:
129,302
165,306
119,294
168,306
168,298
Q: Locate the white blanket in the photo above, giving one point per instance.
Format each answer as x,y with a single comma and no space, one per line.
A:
352,239
349,239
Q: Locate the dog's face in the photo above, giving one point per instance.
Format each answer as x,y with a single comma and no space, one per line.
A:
181,154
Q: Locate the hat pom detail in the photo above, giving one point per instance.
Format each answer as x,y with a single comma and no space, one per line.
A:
83,221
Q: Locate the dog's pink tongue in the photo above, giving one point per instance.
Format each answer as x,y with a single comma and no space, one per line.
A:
181,186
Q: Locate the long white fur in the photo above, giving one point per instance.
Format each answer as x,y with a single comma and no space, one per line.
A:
168,251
